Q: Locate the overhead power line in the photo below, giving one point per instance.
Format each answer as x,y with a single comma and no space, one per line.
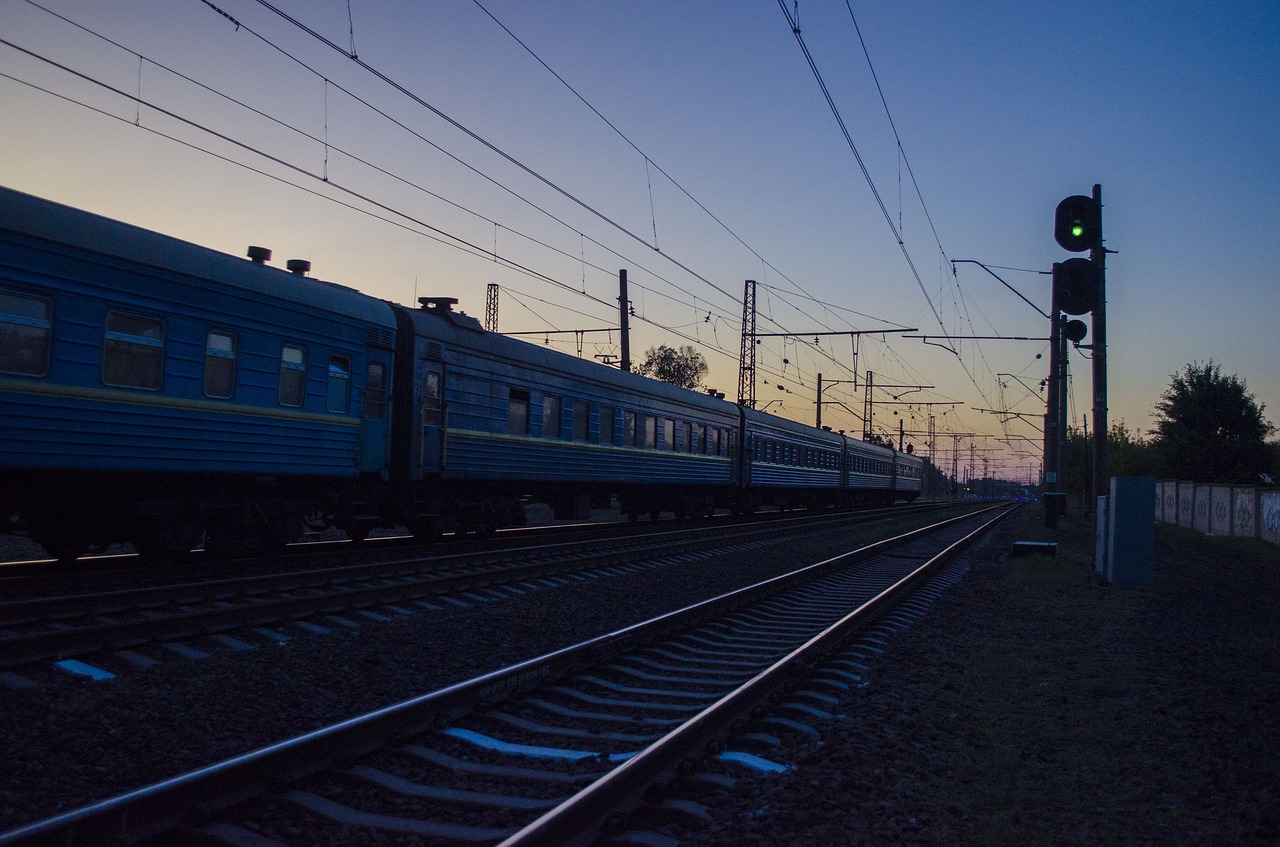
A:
844,130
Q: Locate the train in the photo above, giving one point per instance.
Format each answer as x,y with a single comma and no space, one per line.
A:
159,393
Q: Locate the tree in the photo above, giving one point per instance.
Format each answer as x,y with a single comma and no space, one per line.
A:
1209,428
684,367
1128,454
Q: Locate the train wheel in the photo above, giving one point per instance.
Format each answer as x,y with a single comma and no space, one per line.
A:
64,540
66,549
426,530
165,545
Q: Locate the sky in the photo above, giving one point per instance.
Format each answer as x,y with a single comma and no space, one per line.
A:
544,146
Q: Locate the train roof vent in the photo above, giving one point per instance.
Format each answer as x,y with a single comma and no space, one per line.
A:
438,304
301,267
259,255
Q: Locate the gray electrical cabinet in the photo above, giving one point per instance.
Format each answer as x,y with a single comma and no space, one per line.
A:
1130,532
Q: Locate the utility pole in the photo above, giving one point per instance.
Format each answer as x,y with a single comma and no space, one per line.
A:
955,464
868,408
1055,419
747,355
1098,255
624,319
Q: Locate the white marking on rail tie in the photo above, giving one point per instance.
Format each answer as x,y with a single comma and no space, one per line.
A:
754,762
136,659
79,668
530,750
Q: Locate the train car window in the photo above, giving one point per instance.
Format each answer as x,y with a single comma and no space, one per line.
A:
375,390
219,365
607,435
133,352
689,443
518,413
25,331
550,416
719,442
338,389
649,432
697,438
581,420
293,375
669,433
629,429
432,397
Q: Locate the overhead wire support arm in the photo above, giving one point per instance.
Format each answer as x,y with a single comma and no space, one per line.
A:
955,262
854,335
925,338
561,331
1025,417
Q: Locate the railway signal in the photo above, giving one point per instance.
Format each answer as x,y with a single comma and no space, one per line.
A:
1079,288
1077,223
1075,285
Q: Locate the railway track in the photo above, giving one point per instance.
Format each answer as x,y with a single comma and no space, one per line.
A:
61,628
549,750
23,578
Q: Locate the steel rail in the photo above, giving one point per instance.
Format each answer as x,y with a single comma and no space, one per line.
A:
164,806
330,591
577,820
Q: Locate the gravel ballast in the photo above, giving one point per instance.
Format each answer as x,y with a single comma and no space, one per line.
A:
1035,706
71,740
1032,705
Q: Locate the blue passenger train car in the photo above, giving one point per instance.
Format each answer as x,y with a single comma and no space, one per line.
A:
160,393
870,471
789,464
494,418
152,390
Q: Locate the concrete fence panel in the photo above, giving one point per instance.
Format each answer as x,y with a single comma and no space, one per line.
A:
1220,510
1202,511
1186,504
1269,516
1244,511
1167,501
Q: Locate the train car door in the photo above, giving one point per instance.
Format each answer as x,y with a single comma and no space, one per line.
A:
373,424
432,414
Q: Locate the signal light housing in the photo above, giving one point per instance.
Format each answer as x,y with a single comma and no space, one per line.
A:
1075,286
1077,223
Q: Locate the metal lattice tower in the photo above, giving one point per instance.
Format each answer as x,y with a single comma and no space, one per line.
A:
491,308
868,408
747,358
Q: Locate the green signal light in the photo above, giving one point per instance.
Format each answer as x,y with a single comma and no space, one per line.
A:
1077,223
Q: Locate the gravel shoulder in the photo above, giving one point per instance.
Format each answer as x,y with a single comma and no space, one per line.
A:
71,741
1035,706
